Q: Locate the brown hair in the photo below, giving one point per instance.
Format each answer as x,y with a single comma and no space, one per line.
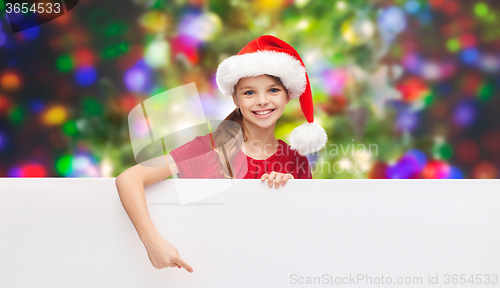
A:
227,132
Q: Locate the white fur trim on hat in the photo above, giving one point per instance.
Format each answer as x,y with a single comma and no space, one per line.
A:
280,64
308,138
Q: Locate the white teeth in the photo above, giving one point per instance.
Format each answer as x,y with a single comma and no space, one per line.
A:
263,112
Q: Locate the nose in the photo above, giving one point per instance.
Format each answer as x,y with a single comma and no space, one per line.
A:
262,99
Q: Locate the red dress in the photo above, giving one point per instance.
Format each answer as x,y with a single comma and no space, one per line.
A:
198,159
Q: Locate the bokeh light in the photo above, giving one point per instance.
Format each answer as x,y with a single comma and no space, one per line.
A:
436,169
481,9
84,57
157,54
85,75
470,56
464,113
5,104
485,170
154,21
357,30
3,140
138,78
203,27
407,121
405,168
3,38
455,173
467,151
54,115
64,63
33,170
36,105
392,19
30,34
10,81
412,6
64,165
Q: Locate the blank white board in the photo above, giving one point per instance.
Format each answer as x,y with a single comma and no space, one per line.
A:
74,232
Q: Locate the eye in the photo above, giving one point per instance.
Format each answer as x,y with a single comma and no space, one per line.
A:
274,89
247,92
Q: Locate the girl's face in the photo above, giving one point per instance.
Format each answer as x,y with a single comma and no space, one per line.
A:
261,100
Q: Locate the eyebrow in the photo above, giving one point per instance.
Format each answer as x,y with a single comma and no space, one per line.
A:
251,87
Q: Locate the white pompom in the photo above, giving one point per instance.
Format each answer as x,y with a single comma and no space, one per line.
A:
308,138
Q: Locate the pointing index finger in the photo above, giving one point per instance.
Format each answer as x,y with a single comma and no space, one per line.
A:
184,265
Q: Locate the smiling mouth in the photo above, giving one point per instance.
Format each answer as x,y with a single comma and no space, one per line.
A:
263,112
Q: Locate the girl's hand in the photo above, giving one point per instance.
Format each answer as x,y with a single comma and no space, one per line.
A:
162,254
278,178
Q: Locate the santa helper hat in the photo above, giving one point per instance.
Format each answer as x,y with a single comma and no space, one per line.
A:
273,56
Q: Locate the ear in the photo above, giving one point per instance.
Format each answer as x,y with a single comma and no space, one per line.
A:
235,100
287,98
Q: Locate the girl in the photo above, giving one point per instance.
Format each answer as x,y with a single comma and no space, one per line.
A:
261,79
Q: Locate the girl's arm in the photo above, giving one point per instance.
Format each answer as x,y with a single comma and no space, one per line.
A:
130,185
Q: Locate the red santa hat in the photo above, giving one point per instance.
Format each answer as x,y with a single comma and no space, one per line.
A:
273,56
